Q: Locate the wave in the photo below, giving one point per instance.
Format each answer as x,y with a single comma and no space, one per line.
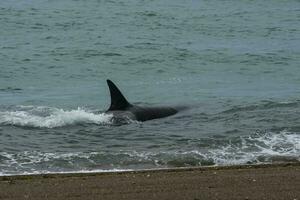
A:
254,149
263,106
48,117
259,148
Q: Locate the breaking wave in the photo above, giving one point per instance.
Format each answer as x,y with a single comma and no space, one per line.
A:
259,148
47,117
255,149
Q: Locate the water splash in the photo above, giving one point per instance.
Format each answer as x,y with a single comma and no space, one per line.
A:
47,117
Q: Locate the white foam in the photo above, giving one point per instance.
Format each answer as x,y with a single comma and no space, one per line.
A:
55,117
269,145
254,149
67,172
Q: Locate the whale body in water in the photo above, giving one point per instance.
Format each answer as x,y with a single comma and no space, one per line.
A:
120,108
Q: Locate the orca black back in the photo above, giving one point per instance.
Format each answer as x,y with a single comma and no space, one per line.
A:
121,108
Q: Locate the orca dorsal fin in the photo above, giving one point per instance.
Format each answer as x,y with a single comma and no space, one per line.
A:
118,101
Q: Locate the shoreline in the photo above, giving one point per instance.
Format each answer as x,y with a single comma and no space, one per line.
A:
267,181
125,171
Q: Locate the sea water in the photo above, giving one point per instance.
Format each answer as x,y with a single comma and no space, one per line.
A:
234,64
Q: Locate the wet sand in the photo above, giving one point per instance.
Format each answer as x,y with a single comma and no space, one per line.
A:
280,181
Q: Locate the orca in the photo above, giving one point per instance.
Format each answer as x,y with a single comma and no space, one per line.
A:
121,109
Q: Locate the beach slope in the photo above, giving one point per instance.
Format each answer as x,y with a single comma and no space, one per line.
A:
281,181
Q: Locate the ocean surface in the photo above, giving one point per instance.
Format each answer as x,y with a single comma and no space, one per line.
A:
234,64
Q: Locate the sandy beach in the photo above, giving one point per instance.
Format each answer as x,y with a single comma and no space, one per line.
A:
279,181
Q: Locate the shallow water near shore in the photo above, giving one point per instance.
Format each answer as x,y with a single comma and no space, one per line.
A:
236,66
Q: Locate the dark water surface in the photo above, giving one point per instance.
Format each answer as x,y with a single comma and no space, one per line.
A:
235,64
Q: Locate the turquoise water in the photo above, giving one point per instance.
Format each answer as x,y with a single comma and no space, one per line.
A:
235,64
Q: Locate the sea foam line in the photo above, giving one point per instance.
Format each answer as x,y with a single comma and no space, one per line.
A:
254,149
